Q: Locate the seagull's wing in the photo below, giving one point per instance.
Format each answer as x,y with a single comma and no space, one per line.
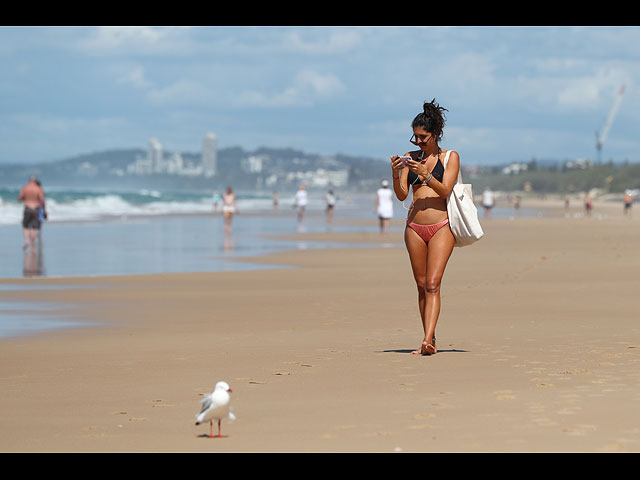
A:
206,402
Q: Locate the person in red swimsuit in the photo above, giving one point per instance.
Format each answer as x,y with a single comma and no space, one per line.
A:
427,235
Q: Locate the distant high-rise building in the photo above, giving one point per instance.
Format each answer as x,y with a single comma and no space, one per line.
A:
155,156
209,154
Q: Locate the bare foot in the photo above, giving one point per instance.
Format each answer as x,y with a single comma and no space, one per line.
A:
426,348
421,351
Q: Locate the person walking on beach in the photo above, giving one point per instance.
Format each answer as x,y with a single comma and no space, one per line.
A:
588,204
301,202
33,197
215,201
42,213
330,198
427,235
488,201
229,208
384,206
628,201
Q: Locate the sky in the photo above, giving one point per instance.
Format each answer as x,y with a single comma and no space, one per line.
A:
512,93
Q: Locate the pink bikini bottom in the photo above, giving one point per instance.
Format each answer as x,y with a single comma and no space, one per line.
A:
426,232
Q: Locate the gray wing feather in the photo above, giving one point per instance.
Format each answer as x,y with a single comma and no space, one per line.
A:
206,403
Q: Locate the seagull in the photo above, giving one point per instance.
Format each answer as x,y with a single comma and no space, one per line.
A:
216,406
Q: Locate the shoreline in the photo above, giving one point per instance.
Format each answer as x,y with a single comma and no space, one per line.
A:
317,355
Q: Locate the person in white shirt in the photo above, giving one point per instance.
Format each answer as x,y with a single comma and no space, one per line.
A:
488,201
331,203
301,202
384,206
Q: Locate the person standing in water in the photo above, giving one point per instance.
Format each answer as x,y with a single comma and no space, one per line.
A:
330,198
215,200
301,202
427,235
229,208
33,197
384,206
42,212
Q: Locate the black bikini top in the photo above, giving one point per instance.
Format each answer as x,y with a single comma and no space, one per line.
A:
438,172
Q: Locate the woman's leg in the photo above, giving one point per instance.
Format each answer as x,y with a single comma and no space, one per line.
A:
417,249
440,248
227,221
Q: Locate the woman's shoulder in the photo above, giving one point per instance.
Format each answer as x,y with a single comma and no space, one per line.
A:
452,154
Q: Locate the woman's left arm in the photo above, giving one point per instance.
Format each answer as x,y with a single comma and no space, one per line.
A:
450,177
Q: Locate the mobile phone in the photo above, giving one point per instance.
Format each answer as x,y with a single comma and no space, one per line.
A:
404,159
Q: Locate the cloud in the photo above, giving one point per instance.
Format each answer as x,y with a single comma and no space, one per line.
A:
135,40
592,92
135,77
306,89
338,41
182,93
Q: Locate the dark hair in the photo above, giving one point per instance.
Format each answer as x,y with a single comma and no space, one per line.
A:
432,119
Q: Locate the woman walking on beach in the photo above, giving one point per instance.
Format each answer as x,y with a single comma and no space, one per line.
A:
427,235
228,208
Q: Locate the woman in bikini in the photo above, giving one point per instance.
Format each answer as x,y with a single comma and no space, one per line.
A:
427,235
228,208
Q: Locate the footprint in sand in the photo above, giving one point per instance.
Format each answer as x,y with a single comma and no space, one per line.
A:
423,426
580,429
569,410
544,422
443,405
423,416
504,395
576,372
346,427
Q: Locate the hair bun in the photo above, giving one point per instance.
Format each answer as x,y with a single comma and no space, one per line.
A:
432,118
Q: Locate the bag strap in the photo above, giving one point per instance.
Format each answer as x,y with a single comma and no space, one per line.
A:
446,159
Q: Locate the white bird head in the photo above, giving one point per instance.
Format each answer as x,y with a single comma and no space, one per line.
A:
223,386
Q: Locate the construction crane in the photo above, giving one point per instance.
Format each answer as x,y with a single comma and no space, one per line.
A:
600,138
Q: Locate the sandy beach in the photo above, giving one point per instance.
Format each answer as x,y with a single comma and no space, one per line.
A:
539,350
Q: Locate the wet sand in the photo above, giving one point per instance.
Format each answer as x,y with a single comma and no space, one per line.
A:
539,351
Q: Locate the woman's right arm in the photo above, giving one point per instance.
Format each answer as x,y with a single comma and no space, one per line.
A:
400,175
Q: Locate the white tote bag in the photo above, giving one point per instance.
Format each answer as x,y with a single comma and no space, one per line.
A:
463,214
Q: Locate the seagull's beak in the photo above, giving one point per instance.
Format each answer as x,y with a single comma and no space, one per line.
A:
229,390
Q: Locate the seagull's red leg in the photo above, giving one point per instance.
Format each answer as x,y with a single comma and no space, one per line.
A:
211,429
219,428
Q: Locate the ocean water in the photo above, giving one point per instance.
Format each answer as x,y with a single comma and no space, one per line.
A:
93,233
103,233
113,233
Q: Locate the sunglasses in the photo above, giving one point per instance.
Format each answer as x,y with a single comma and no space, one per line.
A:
418,139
